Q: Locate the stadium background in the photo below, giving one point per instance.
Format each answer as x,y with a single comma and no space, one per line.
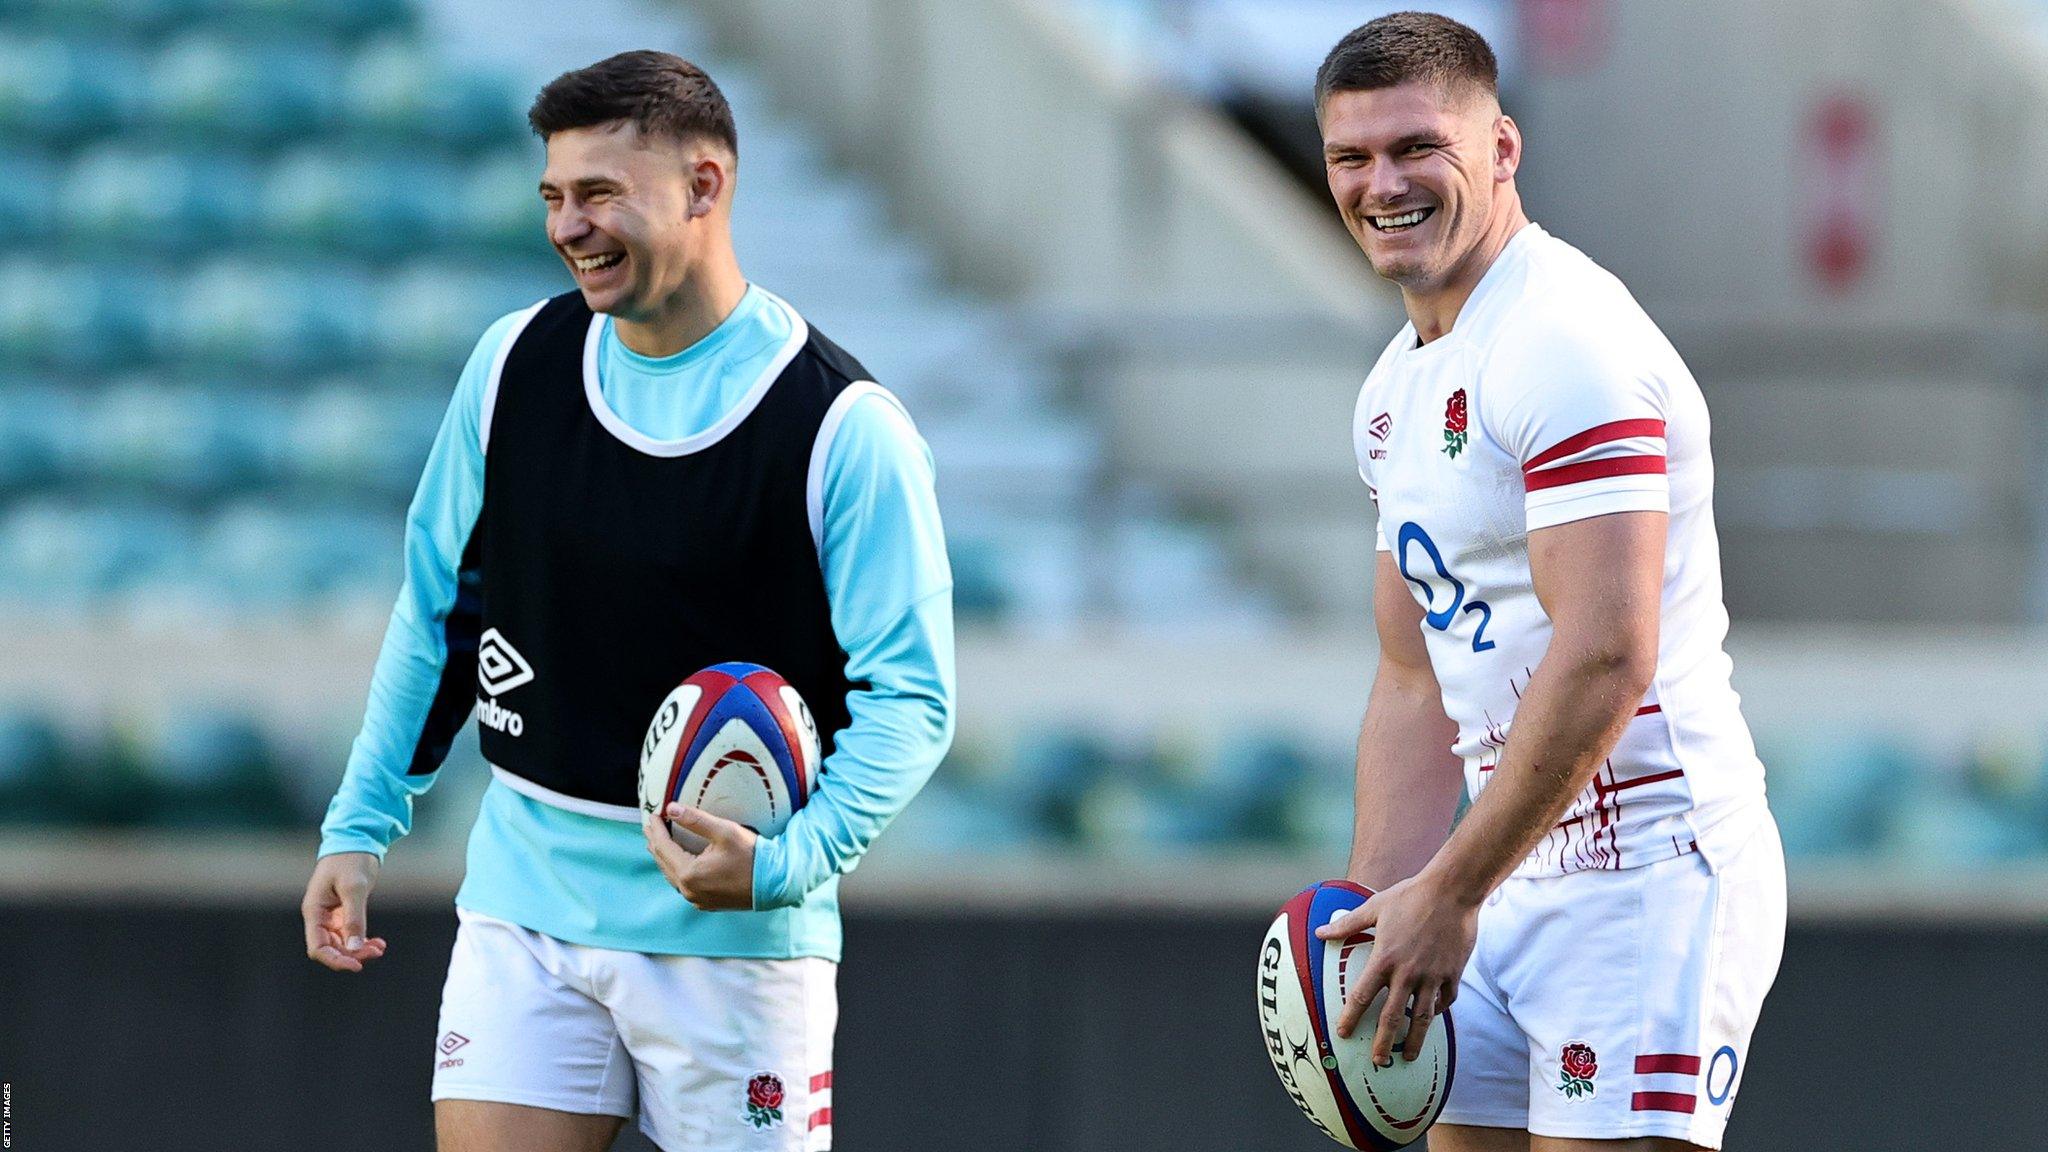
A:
247,243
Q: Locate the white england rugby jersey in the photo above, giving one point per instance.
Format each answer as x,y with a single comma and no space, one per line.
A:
1554,398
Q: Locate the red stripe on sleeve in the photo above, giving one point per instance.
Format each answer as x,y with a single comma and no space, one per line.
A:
1663,1102
821,1081
1592,470
1668,1062
1599,434
823,1116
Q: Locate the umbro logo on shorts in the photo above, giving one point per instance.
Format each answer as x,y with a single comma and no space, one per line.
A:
499,666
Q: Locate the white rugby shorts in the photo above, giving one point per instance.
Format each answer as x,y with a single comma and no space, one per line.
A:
1608,1005
713,1053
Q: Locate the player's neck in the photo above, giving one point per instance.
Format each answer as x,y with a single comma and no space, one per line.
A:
1434,311
708,295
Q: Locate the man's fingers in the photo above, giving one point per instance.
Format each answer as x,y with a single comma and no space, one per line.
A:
327,944
713,828
1399,992
1348,924
673,859
660,842
316,928
1360,997
321,910
336,959
336,912
355,927
1426,1002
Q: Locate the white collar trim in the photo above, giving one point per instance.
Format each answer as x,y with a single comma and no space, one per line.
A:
799,333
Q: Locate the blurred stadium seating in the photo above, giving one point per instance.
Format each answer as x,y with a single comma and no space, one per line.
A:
266,233
1056,787
282,225
252,242
249,243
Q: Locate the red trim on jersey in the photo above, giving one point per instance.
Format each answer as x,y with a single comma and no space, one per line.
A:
823,1117
1663,1102
1678,1062
1598,434
1585,470
821,1081
1652,778
1649,709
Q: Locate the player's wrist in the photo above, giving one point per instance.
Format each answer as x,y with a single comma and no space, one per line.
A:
771,873
1449,880
348,844
1378,872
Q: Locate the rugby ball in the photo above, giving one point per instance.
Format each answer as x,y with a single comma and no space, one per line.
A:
736,741
1302,982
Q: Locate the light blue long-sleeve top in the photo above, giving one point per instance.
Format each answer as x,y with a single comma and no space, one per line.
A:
590,880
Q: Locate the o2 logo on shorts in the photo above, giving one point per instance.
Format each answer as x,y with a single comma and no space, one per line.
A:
1440,619
1727,1079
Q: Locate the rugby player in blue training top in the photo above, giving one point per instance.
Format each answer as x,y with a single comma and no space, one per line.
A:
662,470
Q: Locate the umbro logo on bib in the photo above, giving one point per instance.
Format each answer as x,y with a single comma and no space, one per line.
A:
499,666
499,669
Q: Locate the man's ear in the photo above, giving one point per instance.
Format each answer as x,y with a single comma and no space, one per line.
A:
710,181
1507,149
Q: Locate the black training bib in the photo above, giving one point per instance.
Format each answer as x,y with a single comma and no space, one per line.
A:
610,573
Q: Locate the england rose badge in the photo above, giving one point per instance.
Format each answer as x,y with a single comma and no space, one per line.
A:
1454,424
764,1099
1579,1066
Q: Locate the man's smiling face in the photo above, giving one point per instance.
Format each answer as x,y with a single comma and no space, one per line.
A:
1413,170
618,207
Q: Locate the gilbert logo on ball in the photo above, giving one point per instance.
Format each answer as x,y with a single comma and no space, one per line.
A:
736,741
1302,982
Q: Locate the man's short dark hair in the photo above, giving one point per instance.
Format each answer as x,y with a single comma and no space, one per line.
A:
661,93
1405,46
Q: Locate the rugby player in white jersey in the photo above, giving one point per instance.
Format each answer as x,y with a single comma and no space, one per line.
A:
1609,914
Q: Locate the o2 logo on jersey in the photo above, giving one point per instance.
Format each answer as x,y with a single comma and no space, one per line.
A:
1440,618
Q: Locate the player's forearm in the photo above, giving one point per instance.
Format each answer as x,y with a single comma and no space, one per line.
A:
372,808
1572,713
902,727
1407,780
408,717
884,559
